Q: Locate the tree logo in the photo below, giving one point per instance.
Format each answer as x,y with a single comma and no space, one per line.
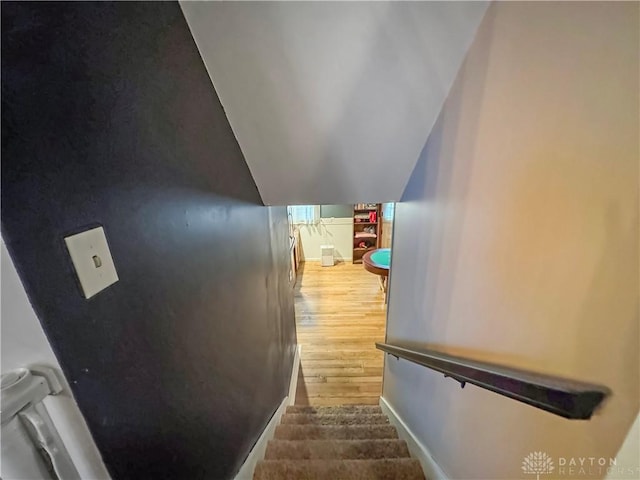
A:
537,463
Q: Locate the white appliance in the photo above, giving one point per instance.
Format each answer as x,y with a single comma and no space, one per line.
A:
31,446
326,256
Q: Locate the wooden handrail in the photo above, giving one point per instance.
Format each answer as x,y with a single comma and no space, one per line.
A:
567,398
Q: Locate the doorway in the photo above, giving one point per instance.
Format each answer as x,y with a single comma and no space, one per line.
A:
340,306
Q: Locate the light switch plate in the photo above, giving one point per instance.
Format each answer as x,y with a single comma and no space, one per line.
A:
92,260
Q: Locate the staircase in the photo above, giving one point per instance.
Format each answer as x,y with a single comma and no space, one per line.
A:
350,442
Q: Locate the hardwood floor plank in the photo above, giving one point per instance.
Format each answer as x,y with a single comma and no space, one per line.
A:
342,389
338,379
343,355
331,363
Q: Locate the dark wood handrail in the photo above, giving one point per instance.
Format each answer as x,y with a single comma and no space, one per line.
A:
567,398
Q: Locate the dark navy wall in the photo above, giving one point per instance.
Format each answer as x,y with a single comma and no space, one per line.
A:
109,118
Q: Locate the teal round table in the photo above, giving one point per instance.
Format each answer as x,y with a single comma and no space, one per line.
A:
378,262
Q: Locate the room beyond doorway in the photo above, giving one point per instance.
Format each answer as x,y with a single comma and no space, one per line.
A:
340,308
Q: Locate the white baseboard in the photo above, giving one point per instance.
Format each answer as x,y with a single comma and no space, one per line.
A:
317,260
431,469
257,452
293,383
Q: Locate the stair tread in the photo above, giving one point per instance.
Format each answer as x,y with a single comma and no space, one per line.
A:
342,442
336,449
334,409
337,432
379,469
334,419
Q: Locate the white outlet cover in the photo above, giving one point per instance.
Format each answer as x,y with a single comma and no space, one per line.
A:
89,249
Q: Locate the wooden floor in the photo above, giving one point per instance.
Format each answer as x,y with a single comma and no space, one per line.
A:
340,314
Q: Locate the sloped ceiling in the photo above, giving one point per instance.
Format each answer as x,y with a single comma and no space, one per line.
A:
332,102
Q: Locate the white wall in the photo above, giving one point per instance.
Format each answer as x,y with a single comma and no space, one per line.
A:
517,238
628,457
331,102
330,231
24,343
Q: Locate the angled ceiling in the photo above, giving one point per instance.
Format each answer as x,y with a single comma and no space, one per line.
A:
332,102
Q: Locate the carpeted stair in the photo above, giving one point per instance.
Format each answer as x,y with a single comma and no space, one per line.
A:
351,442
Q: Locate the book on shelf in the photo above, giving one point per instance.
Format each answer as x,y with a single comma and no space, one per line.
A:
365,235
366,206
